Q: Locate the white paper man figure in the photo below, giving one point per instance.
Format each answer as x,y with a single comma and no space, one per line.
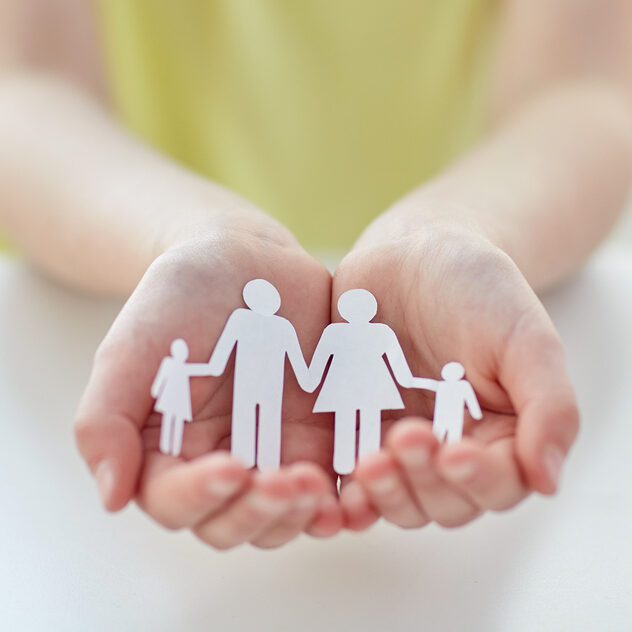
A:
172,390
263,340
453,395
358,382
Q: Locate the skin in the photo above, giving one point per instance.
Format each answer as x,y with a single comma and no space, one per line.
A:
454,265
264,508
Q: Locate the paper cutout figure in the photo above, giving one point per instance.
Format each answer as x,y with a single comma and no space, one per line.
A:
171,388
358,383
453,394
263,341
357,387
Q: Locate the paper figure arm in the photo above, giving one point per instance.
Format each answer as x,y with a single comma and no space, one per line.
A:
160,379
425,383
319,361
199,369
398,362
297,361
471,401
224,347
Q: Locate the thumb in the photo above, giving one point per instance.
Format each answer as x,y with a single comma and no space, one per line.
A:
111,447
108,438
537,381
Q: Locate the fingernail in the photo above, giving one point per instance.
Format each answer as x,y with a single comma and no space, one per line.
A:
222,488
553,461
265,504
383,485
104,476
415,457
460,471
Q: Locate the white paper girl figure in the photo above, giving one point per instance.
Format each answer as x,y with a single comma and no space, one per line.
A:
172,390
358,382
453,395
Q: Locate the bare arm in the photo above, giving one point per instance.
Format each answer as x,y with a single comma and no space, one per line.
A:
555,170
89,204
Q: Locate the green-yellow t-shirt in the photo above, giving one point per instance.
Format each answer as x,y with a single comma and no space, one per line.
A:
322,112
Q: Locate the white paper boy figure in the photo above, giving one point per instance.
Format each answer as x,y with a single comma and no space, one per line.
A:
358,382
263,340
453,395
172,389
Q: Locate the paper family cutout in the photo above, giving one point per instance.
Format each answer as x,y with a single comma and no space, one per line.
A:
357,387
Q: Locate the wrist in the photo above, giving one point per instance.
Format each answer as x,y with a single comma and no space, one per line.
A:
418,219
216,219
424,215
198,214
195,235
442,248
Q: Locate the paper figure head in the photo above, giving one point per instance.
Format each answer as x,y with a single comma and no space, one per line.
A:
453,371
262,297
180,350
357,306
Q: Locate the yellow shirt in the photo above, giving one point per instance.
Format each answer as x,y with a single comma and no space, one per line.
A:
322,112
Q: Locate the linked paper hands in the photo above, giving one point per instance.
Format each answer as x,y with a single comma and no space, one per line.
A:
357,386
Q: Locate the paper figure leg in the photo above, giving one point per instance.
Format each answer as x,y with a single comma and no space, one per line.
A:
166,434
345,441
454,432
370,432
439,430
178,431
244,425
269,437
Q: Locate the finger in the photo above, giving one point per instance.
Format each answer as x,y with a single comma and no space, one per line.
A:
111,446
270,497
117,399
534,373
388,492
183,494
329,518
107,426
413,447
358,514
312,485
486,474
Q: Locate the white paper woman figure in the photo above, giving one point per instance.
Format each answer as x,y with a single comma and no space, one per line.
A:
263,341
358,382
172,390
453,395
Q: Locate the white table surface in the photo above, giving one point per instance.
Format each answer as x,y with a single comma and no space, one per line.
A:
562,564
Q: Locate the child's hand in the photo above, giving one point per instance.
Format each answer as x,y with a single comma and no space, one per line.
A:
190,293
451,295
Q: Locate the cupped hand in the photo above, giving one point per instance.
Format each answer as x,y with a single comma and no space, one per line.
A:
189,292
450,295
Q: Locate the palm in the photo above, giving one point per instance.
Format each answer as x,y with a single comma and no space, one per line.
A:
441,308
190,294
196,307
469,304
